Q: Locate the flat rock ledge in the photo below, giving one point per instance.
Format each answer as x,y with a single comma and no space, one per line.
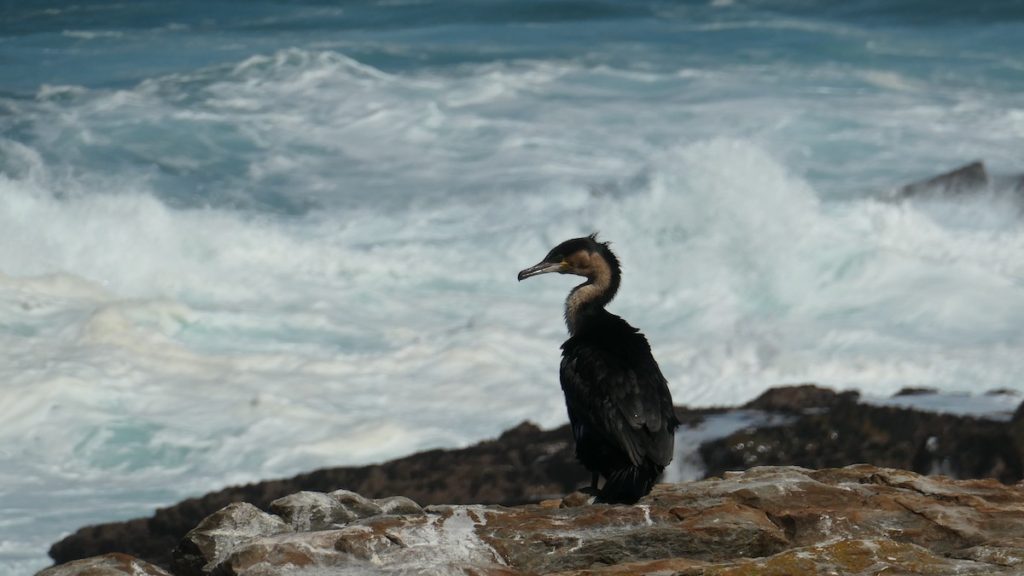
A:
855,520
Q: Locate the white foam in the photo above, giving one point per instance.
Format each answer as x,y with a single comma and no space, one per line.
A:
687,464
92,34
996,405
740,282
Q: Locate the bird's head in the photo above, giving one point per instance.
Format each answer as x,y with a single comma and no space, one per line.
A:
580,256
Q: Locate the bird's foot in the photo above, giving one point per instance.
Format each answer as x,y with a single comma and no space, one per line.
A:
576,499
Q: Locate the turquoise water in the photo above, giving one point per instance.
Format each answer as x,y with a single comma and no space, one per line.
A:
242,240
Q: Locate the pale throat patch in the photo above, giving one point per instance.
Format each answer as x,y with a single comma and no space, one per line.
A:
599,279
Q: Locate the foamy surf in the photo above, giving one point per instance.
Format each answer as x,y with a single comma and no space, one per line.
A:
231,337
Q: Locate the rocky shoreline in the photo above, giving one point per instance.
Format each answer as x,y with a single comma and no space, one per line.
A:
855,520
813,427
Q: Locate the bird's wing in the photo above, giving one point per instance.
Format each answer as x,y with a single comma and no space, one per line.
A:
620,395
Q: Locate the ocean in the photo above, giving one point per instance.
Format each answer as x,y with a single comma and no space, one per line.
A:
243,240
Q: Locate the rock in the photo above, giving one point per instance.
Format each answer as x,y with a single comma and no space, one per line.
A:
241,539
577,498
305,511
854,557
398,505
968,178
113,564
135,537
287,553
998,555
525,464
355,505
219,534
915,391
673,566
768,520
794,399
849,431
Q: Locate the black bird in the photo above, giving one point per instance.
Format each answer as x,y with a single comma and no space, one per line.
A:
619,404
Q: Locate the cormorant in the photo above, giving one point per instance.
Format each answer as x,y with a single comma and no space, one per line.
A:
620,407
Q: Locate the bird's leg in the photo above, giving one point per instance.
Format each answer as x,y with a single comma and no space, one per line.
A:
592,490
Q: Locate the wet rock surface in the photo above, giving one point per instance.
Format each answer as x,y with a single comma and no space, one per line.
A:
821,428
114,564
768,520
220,533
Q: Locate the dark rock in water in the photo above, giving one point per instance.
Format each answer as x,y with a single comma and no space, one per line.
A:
137,537
790,399
1017,427
113,564
822,428
968,178
914,391
849,431
771,520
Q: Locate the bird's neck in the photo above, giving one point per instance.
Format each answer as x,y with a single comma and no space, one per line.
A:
592,295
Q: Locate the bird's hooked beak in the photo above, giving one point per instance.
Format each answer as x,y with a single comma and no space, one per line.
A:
541,268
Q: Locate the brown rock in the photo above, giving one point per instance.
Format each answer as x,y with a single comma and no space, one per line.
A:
574,499
792,399
282,553
769,520
653,567
398,505
220,534
113,564
855,557
306,511
997,555
355,505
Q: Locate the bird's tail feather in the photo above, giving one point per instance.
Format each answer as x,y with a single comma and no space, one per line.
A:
627,485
